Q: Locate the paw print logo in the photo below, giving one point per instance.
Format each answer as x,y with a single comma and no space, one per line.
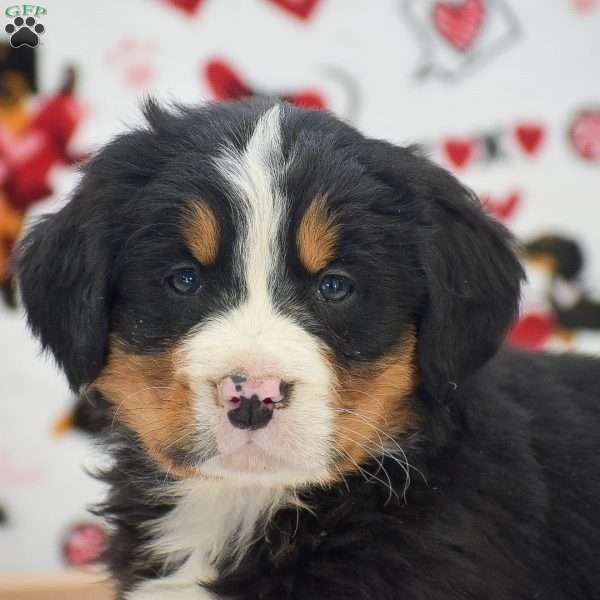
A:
24,32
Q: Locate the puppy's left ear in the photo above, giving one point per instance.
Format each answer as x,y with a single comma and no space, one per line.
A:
62,271
471,271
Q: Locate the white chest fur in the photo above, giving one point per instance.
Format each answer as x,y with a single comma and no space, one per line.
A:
211,519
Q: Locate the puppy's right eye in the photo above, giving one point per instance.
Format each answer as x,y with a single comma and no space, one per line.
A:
185,281
333,287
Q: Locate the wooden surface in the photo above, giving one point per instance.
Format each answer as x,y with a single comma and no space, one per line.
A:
54,586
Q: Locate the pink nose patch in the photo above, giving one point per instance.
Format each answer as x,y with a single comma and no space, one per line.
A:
248,401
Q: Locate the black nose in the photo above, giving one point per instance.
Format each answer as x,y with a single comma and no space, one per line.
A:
250,414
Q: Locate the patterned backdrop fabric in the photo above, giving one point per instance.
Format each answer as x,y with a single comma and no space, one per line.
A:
505,93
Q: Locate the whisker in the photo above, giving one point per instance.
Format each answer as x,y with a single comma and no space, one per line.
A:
397,446
381,467
342,476
386,453
369,477
133,395
179,439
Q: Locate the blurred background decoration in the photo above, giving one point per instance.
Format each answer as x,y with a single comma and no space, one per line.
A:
505,93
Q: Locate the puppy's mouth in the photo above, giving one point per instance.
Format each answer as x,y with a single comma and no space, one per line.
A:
249,464
248,459
252,452
254,455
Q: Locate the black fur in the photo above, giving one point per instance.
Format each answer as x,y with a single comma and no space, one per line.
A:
507,507
503,498
131,504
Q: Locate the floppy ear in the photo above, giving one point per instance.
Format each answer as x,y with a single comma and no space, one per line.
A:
473,282
472,274
63,262
62,276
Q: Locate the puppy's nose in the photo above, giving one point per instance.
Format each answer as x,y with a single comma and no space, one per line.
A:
249,402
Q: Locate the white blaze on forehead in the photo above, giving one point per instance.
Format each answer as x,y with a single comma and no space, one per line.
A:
255,338
255,174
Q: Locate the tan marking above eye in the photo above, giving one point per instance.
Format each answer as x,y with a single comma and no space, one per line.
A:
201,232
317,235
373,403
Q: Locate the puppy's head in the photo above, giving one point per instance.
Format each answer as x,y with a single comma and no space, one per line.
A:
259,292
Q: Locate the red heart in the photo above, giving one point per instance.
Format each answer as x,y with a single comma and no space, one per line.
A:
459,24
532,331
187,6
299,8
225,82
584,134
84,544
458,151
502,209
585,6
529,136
307,99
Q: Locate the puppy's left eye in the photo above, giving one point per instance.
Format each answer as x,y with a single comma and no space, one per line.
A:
333,287
185,281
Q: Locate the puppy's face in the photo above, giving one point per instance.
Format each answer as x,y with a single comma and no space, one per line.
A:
263,320
261,292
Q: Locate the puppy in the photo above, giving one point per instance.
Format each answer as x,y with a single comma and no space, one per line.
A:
295,333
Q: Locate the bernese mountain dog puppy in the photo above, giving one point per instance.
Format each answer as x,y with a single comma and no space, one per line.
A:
295,334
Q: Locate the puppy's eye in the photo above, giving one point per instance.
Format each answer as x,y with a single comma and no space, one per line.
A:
185,281
334,288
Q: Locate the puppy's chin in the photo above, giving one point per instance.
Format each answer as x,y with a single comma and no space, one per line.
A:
251,464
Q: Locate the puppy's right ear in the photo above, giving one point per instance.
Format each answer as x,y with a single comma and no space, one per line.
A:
62,271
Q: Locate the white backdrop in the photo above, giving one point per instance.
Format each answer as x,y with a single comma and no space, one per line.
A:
448,75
